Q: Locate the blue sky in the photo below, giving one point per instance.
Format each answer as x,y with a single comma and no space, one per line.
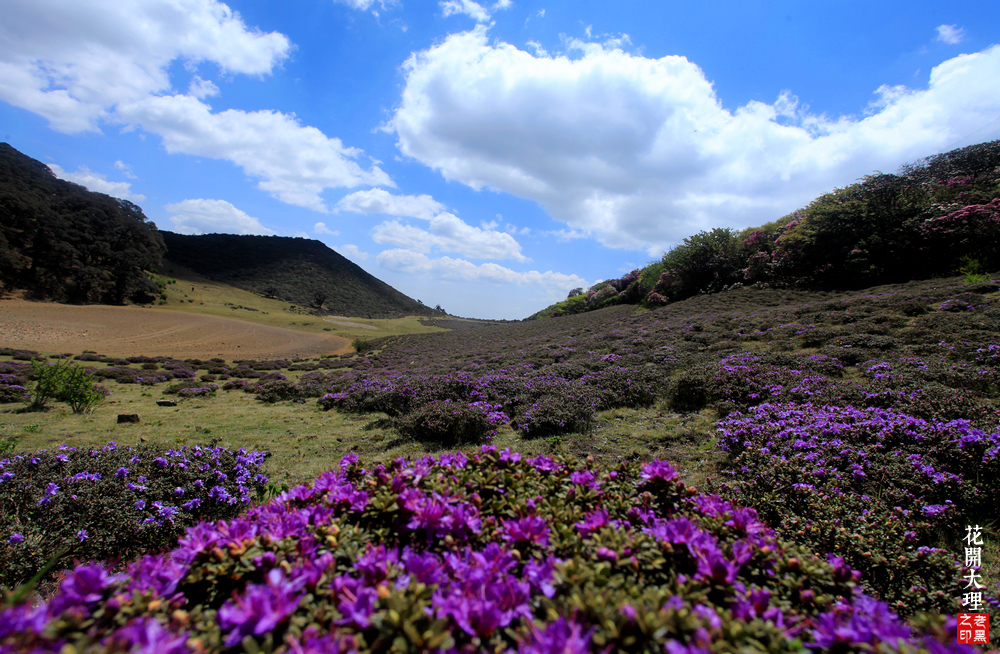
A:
489,156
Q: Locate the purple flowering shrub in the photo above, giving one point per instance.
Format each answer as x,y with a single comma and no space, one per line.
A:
490,552
879,488
617,386
554,414
201,390
746,379
539,403
10,393
126,501
451,423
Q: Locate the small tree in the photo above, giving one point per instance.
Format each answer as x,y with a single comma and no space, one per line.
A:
574,293
67,382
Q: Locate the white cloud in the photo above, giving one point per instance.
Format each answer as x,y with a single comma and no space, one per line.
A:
472,9
377,200
321,228
98,183
125,168
82,63
213,217
356,4
448,269
640,152
295,163
450,233
950,34
202,88
352,252
564,235
71,62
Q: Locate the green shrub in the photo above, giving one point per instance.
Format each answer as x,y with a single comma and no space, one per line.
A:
569,411
278,390
691,392
67,382
445,422
361,345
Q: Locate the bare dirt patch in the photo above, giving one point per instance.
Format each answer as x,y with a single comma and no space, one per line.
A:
128,331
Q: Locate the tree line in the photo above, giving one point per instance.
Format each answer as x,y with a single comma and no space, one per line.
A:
59,241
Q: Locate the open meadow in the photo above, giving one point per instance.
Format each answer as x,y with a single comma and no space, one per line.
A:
501,486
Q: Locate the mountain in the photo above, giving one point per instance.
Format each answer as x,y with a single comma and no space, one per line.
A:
60,241
301,271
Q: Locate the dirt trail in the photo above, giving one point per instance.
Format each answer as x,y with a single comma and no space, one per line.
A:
128,331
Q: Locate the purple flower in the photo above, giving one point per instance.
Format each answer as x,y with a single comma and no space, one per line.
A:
260,609
82,535
584,478
509,457
22,619
357,602
532,529
15,539
121,472
544,463
565,637
658,471
592,522
161,573
147,636
425,567
50,492
84,585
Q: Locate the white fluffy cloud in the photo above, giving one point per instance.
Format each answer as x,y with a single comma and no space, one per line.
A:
84,62
295,163
213,217
202,88
98,183
378,200
352,252
472,9
125,168
449,233
640,152
321,228
951,34
71,62
459,270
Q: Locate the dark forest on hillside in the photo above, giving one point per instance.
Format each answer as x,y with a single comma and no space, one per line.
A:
60,241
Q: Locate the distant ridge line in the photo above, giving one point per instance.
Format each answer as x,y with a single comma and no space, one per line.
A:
303,272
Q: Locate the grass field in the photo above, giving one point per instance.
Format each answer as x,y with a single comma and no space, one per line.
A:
306,441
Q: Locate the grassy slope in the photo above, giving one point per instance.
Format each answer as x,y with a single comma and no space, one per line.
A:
216,299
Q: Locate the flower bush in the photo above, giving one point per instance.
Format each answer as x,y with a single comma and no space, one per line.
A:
451,423
127,500
880,488
472,553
